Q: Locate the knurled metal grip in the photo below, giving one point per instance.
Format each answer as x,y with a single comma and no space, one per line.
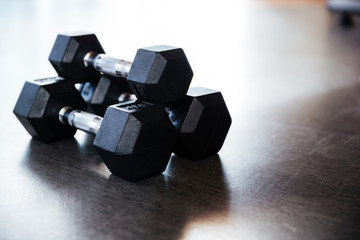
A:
107,65
84,121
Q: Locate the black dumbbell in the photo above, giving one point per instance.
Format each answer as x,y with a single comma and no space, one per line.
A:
159,74
202,120
134,139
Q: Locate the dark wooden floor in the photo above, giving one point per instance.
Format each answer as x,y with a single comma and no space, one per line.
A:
289,169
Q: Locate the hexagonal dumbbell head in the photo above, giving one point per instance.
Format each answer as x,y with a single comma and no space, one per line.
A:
202,123
160,74
68,53
135,140
105,92
37,105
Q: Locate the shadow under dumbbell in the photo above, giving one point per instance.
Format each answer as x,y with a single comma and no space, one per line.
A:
63,158
101,205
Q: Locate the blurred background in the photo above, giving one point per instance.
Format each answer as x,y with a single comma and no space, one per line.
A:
225,41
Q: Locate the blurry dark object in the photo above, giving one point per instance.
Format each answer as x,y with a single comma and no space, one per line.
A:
346,8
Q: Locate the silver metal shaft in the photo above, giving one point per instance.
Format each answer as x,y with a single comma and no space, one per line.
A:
108,65
84,121
126,97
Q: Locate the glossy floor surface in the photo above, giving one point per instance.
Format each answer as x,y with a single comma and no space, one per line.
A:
289,169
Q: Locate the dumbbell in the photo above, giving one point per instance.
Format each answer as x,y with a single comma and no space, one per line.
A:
202,120
134,139
159,74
